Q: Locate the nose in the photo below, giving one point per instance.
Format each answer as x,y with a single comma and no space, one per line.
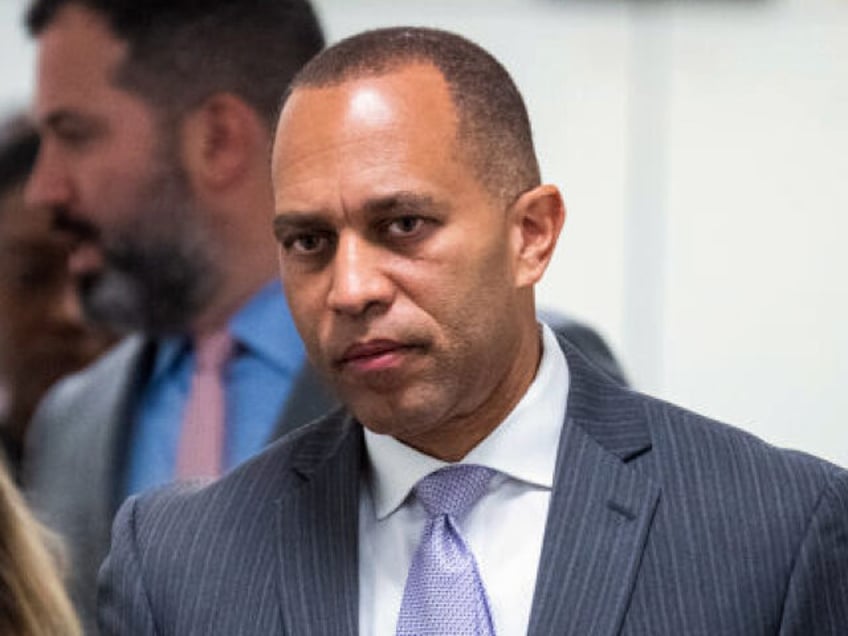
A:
359,283
48,184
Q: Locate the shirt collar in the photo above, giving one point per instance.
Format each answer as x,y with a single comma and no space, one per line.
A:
169,350
523,447
263,325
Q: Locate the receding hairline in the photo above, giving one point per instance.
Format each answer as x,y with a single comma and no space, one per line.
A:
370,73
465,146
364,70
493,132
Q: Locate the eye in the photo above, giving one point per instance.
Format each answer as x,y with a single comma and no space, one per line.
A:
404,226
306,243
74,135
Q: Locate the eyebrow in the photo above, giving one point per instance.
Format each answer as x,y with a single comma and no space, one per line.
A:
403,202
64,116
287,221
57,117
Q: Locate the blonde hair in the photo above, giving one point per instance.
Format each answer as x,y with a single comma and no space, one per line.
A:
33,601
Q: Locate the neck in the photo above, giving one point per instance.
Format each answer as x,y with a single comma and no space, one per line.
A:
240,227
248,262
454,439
226,304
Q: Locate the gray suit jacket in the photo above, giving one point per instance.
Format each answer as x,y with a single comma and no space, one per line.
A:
660,522
77,450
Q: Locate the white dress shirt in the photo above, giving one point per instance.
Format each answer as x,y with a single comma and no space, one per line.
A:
504,529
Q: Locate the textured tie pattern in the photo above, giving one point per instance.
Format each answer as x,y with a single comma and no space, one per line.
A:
201,447
444,594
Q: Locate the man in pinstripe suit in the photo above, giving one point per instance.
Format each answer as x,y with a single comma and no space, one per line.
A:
412,227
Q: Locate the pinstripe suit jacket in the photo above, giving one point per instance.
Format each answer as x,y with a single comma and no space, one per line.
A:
660,522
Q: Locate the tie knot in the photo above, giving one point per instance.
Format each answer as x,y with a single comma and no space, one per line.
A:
454,489
213,350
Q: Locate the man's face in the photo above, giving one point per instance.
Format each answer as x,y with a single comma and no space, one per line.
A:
42,334
398,266
114,183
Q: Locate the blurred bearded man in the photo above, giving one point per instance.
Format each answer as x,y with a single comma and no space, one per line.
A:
155,122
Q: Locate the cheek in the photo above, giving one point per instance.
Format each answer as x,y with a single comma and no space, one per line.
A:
480,281
460,285
305,304
98,174
113,183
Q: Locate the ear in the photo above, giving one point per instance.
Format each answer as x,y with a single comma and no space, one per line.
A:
537,218
220,139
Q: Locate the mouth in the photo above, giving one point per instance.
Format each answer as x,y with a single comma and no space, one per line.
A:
76,229
374,355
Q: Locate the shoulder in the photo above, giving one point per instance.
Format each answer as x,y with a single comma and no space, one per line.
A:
86,403
177,513
683,437
80,409
717,472
771,522
698,462
89,386
185,542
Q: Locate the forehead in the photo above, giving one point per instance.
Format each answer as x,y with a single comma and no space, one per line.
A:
77,55
404,119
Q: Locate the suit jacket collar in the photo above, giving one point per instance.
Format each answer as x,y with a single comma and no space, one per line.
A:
600,516
126,368
601,509
319,527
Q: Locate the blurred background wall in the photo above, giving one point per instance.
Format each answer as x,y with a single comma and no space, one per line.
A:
702,148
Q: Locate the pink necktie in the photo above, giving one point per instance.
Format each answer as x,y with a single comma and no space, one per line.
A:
202,438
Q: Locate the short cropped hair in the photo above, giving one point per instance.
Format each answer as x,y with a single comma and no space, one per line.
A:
18,149
183,51
493,130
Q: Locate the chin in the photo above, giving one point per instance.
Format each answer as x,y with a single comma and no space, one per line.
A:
376,418
390,416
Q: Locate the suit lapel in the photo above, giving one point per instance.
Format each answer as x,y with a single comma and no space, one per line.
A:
600,512
319,518
112,413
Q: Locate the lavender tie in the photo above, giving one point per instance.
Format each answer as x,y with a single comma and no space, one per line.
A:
201,449
444,594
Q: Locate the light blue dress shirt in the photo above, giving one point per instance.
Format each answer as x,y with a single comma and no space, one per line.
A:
269,357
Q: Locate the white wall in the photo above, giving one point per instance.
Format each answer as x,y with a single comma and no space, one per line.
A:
703,153
16,57
756,303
